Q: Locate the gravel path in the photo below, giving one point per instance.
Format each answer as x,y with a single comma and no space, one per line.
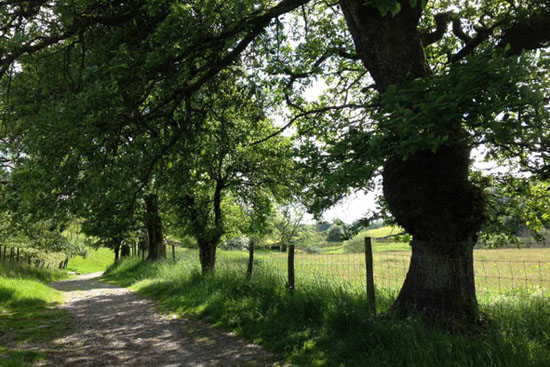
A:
115,327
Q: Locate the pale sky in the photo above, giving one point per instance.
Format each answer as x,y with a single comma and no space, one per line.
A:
352,208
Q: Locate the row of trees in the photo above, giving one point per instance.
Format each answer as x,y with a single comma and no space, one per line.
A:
121,110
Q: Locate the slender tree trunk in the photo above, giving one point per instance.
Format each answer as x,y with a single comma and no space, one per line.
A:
154,229
116,249
429,194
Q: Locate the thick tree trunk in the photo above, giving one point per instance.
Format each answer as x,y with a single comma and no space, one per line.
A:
209,243
154,229
429,194
207,255
440,285
432,199
124,251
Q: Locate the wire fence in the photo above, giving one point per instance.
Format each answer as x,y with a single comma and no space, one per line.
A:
499,274
22,255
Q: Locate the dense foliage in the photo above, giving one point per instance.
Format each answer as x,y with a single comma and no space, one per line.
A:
193,118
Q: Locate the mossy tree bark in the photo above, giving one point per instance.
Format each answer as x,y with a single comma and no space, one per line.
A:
429,193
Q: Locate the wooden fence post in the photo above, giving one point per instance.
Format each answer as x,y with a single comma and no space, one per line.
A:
370,275
174,252
5,251
291,268
250,259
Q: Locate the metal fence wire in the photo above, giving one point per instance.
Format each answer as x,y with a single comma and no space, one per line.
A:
499,274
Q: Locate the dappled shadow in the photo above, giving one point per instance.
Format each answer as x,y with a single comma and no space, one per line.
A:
81,283
5,294
115,327
28,319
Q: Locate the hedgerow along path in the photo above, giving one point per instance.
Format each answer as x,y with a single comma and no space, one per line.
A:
113,326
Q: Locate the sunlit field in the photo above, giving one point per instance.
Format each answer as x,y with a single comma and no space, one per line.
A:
499,272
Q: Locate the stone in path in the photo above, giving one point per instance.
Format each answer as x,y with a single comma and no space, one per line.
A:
114,326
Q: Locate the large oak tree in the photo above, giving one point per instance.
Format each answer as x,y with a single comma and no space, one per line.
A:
427,96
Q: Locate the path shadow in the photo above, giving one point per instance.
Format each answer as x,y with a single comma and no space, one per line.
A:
87,283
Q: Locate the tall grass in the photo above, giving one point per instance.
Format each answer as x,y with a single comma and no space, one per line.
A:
26,315
325,322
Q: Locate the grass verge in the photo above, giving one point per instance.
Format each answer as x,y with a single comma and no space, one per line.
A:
325,323
26,313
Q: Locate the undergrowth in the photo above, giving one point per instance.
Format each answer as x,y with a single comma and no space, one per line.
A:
325,323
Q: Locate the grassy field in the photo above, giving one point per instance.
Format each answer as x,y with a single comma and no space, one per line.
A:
357,243
26,313
499,273
324,323
95,261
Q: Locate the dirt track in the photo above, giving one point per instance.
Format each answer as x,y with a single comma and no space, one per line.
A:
116,327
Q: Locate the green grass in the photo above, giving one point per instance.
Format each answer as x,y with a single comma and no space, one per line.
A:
357,243
26,313
95,261
324,323
382,232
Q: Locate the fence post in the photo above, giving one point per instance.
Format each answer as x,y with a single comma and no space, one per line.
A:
370,275
5,251
174,252
250,258
12,254
291,268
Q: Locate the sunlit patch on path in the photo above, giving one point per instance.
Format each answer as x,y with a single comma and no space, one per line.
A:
115,327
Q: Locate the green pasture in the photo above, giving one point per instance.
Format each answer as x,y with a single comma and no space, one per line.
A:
95,261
